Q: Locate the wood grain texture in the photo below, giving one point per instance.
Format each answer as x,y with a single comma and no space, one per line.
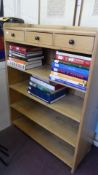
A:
77,116
57,124
70,106
47,140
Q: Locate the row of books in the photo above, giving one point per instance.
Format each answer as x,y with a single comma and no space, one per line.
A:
70,69
46,91
24,57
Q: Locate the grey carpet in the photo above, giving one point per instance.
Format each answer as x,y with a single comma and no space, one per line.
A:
29,158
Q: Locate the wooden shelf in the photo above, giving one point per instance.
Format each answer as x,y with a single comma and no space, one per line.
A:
47,140
70,105
60,126
43,74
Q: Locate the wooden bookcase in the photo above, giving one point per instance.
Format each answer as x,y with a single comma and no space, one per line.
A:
66,127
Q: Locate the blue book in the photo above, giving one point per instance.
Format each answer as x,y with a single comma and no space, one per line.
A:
48,97
70,69
67,83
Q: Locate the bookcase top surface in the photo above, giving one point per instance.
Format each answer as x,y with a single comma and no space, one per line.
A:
74,30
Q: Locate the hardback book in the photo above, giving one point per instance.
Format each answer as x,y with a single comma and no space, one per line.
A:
74,62
61,55
52,86
27,55
70,69
29,59
24,62
23,49
46,96
44,88
67,77
23,66
77,75
67,82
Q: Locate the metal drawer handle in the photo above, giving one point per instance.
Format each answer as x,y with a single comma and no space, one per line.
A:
72,42
13,34
37,38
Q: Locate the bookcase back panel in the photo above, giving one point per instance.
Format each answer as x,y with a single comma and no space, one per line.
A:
16,76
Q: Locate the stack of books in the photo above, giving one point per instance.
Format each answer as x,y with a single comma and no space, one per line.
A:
24,57
45,91
2,53
70,69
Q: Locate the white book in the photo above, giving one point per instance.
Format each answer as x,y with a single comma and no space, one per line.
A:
23,66
49,86
73,55
53,77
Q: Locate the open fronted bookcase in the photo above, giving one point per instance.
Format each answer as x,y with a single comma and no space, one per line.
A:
65,127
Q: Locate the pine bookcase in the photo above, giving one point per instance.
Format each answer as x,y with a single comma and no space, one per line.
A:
66,127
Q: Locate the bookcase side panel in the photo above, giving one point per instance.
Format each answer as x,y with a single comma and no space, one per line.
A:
90,111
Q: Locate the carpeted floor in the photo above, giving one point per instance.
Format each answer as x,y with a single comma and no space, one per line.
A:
29,158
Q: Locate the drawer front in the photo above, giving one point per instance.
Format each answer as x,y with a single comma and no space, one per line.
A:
83,44
39,38
14,35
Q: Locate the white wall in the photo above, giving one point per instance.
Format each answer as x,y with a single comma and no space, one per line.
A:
10,8
25,9
60,18
89,16
4,103
29,10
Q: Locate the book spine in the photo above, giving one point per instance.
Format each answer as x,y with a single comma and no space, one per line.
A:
76,61
46,96
69,83
16,65
40,87
67,77
69,69
17,60
23,50
73,55
69,80
70,73
34,54
35,80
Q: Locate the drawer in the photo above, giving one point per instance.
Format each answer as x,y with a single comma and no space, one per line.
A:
39,38
83,44
14,35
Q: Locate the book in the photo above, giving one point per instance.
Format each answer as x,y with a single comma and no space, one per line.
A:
24,62
33,54
46,96
73,61
23,49
60,54
43,88
52,86
77,75
65,82
68,69
67,77
23,66
28,59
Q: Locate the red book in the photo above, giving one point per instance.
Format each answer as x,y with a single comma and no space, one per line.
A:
72,60
23,49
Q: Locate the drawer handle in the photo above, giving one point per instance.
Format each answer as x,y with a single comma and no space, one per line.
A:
37,38
72,42
13,34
